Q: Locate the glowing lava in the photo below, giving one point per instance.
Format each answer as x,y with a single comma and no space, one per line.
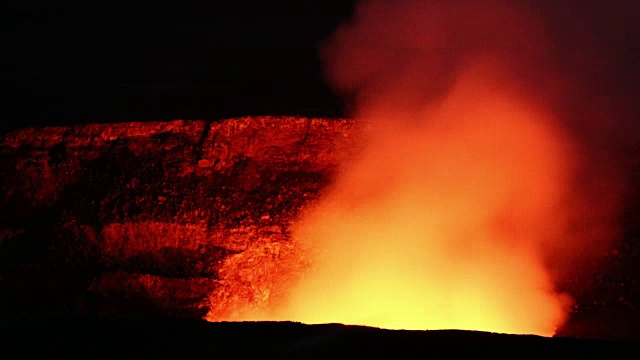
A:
441,227
463,203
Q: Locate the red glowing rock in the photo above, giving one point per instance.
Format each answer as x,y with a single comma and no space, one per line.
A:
137,218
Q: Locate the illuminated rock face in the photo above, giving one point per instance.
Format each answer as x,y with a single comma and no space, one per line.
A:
138,218
182,218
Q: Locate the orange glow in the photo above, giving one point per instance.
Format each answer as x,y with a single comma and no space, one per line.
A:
444,230
462,211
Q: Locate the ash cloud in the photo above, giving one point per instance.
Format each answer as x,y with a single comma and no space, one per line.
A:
402,57
492,175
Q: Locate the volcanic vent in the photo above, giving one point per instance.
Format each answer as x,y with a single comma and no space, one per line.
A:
186,218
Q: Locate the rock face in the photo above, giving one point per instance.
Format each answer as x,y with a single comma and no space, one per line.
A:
176,218
189,218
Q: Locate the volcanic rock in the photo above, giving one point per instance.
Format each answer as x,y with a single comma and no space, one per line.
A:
159,217
194,218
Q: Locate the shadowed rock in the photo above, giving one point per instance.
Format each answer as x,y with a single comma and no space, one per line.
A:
187,218
106,218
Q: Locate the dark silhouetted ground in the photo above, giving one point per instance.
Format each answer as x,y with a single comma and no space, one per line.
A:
129,338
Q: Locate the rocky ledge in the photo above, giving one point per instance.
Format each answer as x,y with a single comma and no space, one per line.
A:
193,219
174,218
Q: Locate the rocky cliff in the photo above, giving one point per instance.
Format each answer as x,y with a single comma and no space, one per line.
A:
188,218
173,218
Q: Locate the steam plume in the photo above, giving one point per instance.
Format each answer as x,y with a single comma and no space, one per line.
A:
477,196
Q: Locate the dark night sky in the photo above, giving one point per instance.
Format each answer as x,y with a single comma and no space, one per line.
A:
107,61
69,63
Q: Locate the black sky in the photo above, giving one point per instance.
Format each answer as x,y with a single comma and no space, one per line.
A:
68,63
